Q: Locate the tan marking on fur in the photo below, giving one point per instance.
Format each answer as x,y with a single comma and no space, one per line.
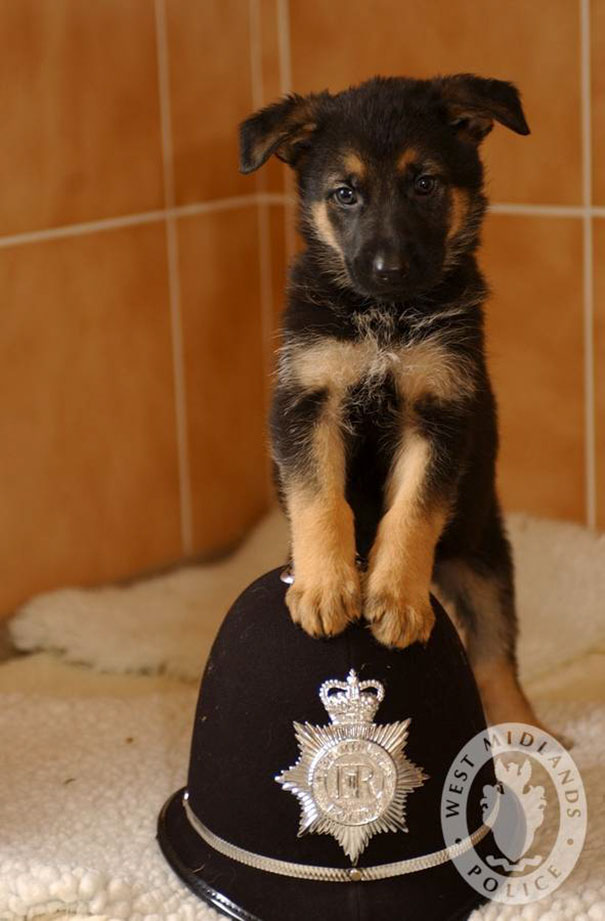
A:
323,226
328,452
408,156
484,595
459,211
501,694
354,164
401,561
429,368
426,368
332,364
452,612
301,131
408,472
493,636
325,596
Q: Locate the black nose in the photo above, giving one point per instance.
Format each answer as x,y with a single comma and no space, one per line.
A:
388,268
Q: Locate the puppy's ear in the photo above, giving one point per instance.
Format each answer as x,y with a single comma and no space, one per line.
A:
283,128
474,103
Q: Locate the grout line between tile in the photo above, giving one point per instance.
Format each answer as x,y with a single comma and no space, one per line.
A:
81,229
164,102
226,204
180,394
265,261
145,217
256,66
262,211
285,56
513,208
263,197
285,74
174,283
588,268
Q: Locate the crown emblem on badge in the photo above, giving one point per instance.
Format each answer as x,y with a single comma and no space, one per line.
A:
352,777
351,703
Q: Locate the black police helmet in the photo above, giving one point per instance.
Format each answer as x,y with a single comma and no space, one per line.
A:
362,786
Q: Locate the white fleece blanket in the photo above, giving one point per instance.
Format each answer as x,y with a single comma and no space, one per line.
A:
167,624
83,777
83,782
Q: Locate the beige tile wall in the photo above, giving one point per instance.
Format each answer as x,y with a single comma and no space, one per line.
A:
141,274
136,280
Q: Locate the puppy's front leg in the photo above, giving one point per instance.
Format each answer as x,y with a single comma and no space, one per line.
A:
401,561
325,596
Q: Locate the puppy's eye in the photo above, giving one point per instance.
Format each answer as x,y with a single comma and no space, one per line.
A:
425,185
344,195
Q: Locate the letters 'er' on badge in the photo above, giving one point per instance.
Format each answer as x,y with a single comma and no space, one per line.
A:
352,777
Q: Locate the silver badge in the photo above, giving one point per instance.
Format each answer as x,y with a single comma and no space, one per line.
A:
352,777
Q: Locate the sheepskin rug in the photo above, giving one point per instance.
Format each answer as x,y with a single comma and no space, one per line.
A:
88,757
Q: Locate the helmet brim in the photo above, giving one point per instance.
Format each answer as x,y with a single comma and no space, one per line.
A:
247,894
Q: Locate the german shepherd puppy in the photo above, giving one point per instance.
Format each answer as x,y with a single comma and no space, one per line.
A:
383,420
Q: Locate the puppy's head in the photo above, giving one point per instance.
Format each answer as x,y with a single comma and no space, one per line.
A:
389,175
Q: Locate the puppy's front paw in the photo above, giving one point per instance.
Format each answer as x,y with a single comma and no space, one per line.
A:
397,620
325,607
